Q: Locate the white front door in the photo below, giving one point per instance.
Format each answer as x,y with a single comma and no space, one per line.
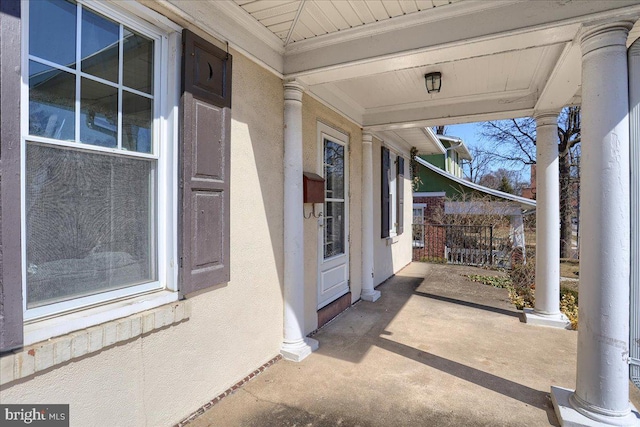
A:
333,234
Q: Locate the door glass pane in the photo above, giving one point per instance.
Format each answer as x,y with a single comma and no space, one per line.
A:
333,229
52,31
138,62
334,169
100,46
90,223
52,97
98,114
334,221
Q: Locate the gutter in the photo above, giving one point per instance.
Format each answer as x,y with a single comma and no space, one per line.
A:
526,204
435,139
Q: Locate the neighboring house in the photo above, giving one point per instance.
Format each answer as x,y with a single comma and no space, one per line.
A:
159,242
442,190
456,152
530,191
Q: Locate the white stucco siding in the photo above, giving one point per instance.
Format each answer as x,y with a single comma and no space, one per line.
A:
390,254
160,378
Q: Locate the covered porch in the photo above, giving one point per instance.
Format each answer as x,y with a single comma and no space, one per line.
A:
369,61
435,349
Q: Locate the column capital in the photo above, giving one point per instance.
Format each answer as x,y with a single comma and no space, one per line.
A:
367,138
608,34
293,90
546,118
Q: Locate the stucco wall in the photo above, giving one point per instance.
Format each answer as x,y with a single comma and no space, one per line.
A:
312,112
158,379
390,254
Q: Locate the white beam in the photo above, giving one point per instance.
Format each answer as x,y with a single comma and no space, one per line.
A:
482,107
548,22
339,102
453,120
564,82
433,54
229,23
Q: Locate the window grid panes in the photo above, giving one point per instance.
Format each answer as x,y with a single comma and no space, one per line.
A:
334,206
91,159
84,104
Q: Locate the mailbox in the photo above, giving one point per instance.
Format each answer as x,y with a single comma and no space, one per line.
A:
313,186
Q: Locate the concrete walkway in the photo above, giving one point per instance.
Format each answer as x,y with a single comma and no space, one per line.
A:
435,350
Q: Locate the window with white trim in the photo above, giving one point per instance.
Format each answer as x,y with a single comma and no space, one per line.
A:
418,213
95,150
392,192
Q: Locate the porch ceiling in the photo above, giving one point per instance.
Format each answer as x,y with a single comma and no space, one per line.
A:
367,58
296,20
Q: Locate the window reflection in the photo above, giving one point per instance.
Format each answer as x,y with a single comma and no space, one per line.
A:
137,116
98,114
100,46
54,97
138,60
52,31
51,102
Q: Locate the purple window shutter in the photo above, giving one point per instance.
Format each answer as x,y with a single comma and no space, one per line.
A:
11,329
206,126
385,209
400,191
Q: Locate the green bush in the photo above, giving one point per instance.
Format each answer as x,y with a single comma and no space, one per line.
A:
495,281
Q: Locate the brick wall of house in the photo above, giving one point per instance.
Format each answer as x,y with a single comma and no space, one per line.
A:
434,237
434,205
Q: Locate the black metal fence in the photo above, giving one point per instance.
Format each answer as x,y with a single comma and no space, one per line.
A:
460,244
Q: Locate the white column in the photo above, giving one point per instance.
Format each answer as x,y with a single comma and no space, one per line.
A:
295,346
368,292
602,385
547,305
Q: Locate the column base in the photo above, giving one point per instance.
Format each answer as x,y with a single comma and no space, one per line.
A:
570,417
296,352
554,320
371,296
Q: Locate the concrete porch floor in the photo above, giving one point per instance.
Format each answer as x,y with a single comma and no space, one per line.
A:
434,350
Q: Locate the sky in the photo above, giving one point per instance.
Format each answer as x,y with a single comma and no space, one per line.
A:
467,132
470,134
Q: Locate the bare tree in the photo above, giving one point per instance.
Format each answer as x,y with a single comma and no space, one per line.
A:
479,166
503,179
514,143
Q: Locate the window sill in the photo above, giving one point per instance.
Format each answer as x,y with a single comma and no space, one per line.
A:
392,240
162,309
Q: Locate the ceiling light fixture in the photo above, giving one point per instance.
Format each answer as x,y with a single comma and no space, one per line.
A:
433,81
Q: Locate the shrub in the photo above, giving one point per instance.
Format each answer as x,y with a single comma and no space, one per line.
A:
569,306
520,283
495,281
523,284
524,275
